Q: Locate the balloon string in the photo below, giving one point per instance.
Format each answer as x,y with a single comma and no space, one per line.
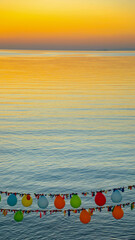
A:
71,210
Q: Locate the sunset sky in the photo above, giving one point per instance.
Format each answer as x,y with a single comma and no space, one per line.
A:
67,24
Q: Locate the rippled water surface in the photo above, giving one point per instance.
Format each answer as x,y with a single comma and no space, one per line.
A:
67,124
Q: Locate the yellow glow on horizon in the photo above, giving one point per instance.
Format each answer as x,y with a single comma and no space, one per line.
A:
62,21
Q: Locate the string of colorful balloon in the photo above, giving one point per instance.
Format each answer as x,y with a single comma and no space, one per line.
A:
75,202
85,215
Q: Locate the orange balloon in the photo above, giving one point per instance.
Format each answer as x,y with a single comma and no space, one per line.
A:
85,217
59,202
117,212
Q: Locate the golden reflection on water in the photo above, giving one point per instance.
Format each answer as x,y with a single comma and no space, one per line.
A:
38,94
92,77
41,83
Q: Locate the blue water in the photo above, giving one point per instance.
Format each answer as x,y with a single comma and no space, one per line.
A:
67,125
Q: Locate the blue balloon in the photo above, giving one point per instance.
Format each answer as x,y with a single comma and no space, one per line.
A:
12,200
116,196
43,202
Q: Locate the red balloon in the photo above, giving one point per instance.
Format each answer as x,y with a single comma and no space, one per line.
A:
100,199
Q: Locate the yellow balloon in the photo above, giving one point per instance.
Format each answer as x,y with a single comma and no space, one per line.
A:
27,200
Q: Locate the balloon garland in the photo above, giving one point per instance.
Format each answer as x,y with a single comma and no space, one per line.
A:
85,215
75,202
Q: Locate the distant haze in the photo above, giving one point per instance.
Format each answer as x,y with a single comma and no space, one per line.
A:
69,25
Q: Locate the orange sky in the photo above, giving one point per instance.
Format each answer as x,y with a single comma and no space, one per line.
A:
72,24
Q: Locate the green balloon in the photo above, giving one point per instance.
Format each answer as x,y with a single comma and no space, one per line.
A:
75,201
18,217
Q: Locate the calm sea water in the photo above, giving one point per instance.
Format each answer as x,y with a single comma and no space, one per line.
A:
67,124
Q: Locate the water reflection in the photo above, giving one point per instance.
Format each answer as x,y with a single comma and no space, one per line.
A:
67,124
